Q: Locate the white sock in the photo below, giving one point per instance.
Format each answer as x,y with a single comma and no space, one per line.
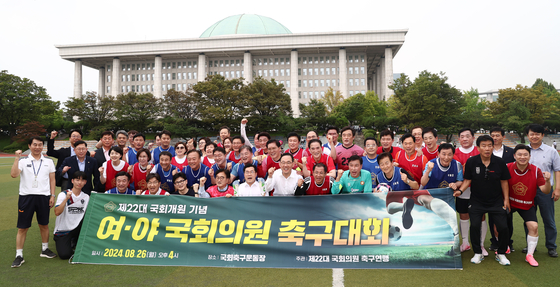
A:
19,252
394,207
531,244
443,210
465,231
45,246
483,231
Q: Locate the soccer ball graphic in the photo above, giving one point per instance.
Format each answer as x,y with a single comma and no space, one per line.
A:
395,233
384,188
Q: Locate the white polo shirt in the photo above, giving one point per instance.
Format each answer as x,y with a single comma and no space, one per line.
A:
282,186
29,168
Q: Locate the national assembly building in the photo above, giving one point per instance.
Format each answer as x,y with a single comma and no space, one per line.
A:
247,46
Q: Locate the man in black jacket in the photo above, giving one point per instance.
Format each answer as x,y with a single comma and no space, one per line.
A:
62,153
80,162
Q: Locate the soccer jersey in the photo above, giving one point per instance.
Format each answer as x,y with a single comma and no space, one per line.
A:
157,151
73,212
208,162
325,159
523,185
372,166
297,155
428,154
393,151
214,192
180,163
348,184
414,165
116,191
111,171
237,171
344,153
310,187
159,192
396,182
233,158
441,177
194,176
215,166
139,178
267,163
131,156
166,177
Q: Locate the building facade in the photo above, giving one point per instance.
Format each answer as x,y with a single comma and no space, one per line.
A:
247,46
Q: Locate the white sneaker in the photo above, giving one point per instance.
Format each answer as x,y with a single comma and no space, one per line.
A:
477,258
484,252
502,259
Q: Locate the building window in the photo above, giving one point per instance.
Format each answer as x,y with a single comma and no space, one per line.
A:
163,76
108,68
299,83
363,70
357,82
132,78
363,59
350,58
351,82
184,87
316,60
322,61
356,58
266,73
322,71
178,76
305,83
363,81
299,95
194,64
109,79
356,70
288,72
123,89
238,74
123,67
316,71
316,95
194,74
173,67
281,72
260,73
271,73
265,61
327,59
227,73
350,71
310,83
328,71
305,60
173,76
108,90
128,78
316,83
304,72
276,72
322,83
328,83
288,84
305,95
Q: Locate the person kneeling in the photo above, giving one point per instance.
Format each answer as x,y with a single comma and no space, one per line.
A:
69,210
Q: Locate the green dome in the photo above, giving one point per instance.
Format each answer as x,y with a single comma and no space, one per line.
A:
245,24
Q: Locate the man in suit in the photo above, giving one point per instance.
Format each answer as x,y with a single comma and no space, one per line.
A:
80,162
102,153
62,153
506,153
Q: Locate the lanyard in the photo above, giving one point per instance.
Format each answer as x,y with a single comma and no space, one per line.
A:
39,169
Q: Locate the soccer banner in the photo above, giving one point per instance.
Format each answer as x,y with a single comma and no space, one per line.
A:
409,229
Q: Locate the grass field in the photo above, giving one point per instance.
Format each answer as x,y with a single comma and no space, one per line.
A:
37,271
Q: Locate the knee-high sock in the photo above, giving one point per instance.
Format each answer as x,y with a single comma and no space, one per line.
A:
483,230
465,231
394,207
531,244
443,210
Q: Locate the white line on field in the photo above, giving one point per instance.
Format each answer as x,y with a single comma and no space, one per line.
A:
338,277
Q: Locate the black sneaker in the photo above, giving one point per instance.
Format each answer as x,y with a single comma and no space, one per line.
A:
493,247
552,253
406,216
48,254
511,248
17,262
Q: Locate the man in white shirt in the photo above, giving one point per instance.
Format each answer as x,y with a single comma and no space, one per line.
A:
36,195
283,181
252,186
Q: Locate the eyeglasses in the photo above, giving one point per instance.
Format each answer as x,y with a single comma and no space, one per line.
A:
180,181
180,147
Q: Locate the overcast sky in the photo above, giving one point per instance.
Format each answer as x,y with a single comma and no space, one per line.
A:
481,44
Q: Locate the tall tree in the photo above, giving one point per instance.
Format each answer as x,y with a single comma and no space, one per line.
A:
427,101
265,102
332,99
220,101
182,105
314,113
519,106
359,107
21,100
91,107
553,98
136,111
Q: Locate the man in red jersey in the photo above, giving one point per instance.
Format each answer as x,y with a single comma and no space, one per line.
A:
409,160
430,149
387,138
347,149
317,184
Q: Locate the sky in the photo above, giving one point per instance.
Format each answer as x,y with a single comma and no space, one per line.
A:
478,44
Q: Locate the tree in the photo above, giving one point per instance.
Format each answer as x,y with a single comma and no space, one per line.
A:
519,106
220,101
182,105
332,99
28,130
427,101
21,100
553,98
359,107
314,112
136,111
91,107
265,101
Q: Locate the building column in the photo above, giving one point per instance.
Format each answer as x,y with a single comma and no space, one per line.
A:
294,82
157,78
383,83
378,81
248,67
201,67
101,86
77,78
343,72
116,79
388,71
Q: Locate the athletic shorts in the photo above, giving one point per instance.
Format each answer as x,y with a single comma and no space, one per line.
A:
30,204
462,205
527,215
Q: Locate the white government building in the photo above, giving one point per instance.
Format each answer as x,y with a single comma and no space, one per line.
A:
245,46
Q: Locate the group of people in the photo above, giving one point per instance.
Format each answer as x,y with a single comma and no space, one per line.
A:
489,178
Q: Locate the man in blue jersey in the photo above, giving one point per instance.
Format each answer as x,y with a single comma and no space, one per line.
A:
138,142
165,146
370,159
166,171
196,170
123,180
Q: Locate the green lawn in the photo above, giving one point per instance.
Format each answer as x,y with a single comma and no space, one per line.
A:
37,271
